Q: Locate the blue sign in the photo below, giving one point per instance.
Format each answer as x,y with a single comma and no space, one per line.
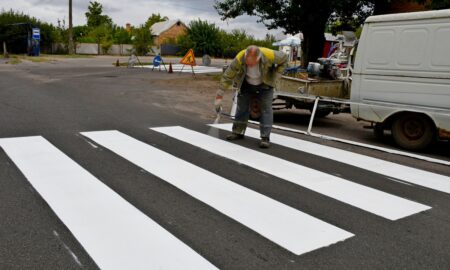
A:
157,61
36,33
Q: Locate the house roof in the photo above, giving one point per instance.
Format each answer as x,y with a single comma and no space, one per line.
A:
161,27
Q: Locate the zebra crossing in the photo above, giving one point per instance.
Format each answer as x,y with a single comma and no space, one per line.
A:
117,235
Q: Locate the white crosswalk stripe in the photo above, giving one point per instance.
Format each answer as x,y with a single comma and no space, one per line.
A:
187,69
368,199
118,236
114,233
401,172
286,226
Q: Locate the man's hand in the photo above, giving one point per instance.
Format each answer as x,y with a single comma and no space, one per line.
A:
218,103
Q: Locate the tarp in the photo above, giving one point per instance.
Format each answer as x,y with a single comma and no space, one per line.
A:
290,41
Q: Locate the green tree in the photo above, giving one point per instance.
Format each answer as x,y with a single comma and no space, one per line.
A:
308,17
95,17
155,18
203,37
80,32
121,36
102,36
142,40
239,39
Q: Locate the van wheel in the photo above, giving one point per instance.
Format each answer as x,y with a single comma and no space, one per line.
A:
413,131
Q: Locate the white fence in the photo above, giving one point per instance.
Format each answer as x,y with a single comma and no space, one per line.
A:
92,48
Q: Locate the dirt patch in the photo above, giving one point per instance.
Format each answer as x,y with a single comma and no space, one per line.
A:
193,94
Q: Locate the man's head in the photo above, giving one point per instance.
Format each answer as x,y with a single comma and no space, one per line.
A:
252,55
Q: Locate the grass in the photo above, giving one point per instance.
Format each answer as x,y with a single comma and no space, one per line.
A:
43,58
67,55
125,64
15,59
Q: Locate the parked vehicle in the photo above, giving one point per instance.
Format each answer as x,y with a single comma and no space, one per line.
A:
401,77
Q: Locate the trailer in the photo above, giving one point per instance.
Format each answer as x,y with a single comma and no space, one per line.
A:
300,94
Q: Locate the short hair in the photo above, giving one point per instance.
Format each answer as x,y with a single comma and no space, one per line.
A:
253,48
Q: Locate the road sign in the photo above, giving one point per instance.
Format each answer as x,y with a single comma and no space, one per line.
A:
36,33
189,59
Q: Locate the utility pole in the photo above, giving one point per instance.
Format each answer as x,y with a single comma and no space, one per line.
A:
71,47
5,52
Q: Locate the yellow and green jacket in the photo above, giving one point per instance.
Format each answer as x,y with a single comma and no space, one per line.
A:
272,64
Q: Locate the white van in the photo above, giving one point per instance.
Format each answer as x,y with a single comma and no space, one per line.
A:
402,76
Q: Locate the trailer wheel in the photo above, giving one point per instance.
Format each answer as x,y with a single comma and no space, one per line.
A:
413,131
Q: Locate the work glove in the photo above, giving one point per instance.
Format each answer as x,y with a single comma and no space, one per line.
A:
218,103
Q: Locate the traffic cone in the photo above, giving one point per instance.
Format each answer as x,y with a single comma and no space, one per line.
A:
170,67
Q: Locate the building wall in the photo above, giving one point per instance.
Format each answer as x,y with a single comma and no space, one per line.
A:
171,33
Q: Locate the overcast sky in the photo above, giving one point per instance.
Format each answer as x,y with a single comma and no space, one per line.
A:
135,12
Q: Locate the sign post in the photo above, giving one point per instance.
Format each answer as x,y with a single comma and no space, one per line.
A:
35,39
189,60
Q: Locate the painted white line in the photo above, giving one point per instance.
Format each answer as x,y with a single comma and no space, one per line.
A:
114,233
378,148
398,181
383,149
387,168
187,69
366,198
74,256
284,225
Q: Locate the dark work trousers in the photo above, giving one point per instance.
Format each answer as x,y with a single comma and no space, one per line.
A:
264,96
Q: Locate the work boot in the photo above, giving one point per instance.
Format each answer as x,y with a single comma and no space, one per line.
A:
235,136
264,143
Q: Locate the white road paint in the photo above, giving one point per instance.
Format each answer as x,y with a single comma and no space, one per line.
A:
93,145
74,256
114,233
369,199
186,69
398,181
374,147
284,225
387,168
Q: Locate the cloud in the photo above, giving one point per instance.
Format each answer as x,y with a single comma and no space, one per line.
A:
136,12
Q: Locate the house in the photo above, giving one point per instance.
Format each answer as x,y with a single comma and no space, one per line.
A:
167,30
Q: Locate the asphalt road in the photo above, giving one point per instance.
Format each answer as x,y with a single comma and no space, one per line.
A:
42,226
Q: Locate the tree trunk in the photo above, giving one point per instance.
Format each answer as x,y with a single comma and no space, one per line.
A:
5,52
313,43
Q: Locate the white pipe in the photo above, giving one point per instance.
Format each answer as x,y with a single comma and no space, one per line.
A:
313,113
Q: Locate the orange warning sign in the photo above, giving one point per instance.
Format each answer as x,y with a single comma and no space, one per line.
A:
189,59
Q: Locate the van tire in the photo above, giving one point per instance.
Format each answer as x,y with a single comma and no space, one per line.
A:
413,131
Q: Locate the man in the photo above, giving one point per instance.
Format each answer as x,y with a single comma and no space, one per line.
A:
254,72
